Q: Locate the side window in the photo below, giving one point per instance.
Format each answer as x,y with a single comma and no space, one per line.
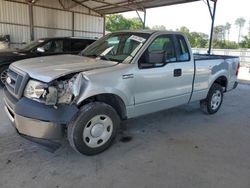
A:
53,46
183,48
78,45
166,45
159,52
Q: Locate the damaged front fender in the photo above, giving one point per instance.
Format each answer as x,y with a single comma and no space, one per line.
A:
65,91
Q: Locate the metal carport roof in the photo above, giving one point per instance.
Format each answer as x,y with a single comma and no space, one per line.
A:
103,7
116,6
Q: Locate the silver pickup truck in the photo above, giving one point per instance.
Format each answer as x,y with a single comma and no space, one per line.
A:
123,75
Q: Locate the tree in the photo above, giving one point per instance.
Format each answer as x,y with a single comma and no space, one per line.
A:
199,40
220,32
196,39
240,22
159,27
245,42
135,23
228,28
116,22
186,31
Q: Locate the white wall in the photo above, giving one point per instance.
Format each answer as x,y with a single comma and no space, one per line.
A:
244,54
48,22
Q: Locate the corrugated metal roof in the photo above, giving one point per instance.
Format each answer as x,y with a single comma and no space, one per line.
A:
115,6
103,7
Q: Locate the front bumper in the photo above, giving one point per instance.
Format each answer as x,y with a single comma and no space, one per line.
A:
37,120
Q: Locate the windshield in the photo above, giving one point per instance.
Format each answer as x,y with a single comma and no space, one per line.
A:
32,45
120,47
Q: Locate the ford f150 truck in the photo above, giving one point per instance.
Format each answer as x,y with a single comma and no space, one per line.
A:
122,75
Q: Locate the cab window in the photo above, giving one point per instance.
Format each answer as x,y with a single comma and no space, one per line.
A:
183,49
160,52
164,43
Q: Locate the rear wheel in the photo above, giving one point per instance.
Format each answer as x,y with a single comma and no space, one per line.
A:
93,129
3,75
214,99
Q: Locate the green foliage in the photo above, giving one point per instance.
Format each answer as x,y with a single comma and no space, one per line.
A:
116,22
240,22
159,27
196,39
224,44
245,42
201,40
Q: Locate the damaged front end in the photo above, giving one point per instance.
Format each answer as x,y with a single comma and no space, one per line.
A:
64,90
46,108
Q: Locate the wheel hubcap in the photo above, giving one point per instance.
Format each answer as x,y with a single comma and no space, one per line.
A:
4,76
97,131
216,100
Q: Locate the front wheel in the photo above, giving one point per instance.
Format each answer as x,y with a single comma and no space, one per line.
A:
93,129
214,99
3,75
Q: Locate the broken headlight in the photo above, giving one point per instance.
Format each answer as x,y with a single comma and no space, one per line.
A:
58,92
34,89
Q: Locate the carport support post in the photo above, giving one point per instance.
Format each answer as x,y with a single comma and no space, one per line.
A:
73,24
31,19
144,20
212,26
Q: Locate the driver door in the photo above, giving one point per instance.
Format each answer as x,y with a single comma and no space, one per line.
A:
157,83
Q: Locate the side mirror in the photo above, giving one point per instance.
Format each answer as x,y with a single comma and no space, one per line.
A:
155,57
40,49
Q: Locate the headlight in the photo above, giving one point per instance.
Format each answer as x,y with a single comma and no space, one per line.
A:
41,92
34,89
57,92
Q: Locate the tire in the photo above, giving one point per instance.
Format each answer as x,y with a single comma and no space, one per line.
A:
214,99
3,75
93,129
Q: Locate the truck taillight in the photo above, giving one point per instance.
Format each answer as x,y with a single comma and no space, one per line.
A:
238,68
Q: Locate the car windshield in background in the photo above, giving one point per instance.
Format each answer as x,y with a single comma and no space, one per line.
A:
32,45
120,47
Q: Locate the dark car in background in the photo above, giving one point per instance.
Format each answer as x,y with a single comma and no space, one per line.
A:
41,47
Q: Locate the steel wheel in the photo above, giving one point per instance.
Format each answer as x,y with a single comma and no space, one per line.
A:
216,100
94,128
97,131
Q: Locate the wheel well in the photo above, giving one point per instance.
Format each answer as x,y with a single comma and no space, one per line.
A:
222,80
113,100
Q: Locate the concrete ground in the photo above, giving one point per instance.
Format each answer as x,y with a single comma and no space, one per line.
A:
177,148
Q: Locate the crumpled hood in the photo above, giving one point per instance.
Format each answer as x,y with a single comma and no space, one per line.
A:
48,68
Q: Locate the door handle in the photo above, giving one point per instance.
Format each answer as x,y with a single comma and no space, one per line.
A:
177,72
127,76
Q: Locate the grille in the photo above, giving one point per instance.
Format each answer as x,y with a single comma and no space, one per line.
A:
17,82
